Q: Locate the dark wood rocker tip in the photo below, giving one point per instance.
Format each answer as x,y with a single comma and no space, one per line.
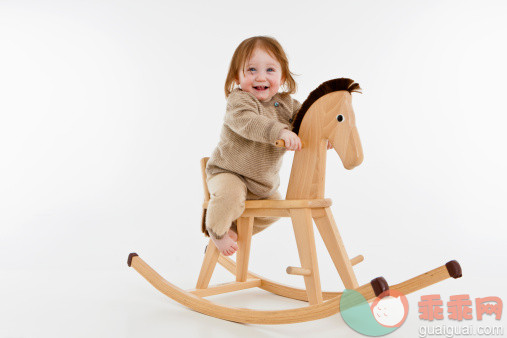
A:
379,285
131,255
454,269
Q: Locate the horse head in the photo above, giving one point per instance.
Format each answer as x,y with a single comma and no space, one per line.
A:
339,127
331,109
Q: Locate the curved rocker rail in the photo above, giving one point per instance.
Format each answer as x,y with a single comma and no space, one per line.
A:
306,313
450,269
241,315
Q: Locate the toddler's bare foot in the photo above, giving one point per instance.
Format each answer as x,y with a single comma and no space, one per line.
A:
233,235
226,245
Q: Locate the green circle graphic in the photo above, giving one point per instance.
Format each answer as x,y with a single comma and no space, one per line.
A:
356,312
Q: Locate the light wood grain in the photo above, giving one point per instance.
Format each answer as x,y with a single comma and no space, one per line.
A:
241,315
307,178
302,314
303,231
226,287
356,260
208,265
274,287
285,204
204,161
421,281
334,244
294,270
245,229
281,144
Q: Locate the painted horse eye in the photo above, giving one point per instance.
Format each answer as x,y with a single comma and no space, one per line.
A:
340,118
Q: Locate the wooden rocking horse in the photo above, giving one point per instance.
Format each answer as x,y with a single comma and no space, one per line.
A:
327,114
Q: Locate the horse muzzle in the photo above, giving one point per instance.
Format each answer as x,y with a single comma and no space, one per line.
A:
349,150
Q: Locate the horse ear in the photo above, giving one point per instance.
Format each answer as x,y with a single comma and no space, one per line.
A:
354,87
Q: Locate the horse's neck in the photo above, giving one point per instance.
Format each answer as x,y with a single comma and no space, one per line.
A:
307,177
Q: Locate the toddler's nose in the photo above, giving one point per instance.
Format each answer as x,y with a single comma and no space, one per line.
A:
260,76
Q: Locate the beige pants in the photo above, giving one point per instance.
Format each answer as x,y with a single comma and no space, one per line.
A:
227,202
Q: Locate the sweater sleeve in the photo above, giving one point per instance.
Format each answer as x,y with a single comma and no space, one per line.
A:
243,117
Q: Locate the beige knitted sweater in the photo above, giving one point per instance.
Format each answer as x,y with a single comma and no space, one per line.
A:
247,141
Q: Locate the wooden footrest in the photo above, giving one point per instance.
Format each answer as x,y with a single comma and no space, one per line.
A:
356,260
226,287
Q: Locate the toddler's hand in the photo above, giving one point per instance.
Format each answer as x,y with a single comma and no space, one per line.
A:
292,141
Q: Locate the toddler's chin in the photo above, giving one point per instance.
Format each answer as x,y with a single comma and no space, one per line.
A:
261,97
266,97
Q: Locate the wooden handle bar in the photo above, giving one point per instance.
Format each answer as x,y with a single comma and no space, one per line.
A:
281,144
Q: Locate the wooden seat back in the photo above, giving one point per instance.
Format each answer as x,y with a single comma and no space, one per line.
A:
204,161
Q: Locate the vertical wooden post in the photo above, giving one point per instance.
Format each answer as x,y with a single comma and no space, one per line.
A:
245,229
303,230
334,244
208,265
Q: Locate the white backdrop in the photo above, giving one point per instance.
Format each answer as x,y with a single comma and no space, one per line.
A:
106,108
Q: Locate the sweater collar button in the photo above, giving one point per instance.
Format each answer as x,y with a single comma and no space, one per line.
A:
276,104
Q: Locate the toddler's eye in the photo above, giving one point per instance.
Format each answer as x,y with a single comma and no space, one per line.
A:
271,70
340,118
251,69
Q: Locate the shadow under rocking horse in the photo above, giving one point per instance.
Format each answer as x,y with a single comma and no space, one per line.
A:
327,114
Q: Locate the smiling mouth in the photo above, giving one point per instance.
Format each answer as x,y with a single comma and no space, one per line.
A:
261,88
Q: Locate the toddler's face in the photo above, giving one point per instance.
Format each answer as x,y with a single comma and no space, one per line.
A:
262,75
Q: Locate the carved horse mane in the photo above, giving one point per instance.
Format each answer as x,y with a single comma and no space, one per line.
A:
325,88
